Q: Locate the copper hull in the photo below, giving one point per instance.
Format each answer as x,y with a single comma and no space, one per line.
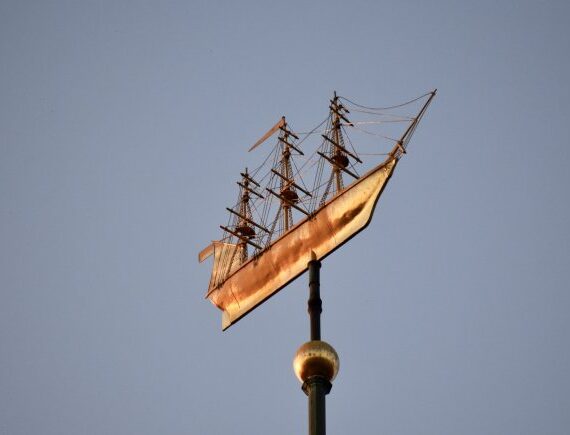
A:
286,258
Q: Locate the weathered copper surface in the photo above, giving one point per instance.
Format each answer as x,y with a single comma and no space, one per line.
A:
335,223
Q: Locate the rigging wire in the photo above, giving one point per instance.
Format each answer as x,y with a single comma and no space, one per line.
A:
376,134
312,131
389,115
404,119
388,107
349,141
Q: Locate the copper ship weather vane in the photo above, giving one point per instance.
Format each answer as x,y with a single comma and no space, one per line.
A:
281,225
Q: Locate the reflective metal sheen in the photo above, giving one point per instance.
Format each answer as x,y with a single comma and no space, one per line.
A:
316,358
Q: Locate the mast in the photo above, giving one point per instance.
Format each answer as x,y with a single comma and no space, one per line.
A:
286,180
337,154
243,227
287,194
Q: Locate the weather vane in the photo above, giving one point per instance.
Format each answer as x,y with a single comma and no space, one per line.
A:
281,225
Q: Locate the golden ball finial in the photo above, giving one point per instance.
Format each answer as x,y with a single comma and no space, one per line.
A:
316,358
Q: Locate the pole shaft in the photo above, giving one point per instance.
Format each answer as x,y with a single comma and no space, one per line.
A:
317,389
315,304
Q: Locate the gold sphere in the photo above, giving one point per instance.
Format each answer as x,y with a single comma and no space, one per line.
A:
316,358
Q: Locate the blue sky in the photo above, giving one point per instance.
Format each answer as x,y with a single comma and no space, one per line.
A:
123,126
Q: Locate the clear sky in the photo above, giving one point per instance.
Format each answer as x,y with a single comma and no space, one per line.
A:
123,126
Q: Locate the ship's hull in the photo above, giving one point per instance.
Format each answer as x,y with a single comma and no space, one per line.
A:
285,259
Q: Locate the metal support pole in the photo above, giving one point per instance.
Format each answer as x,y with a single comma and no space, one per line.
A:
316,362
316,387
315,304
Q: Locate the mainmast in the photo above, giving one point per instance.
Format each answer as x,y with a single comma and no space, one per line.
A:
288,189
